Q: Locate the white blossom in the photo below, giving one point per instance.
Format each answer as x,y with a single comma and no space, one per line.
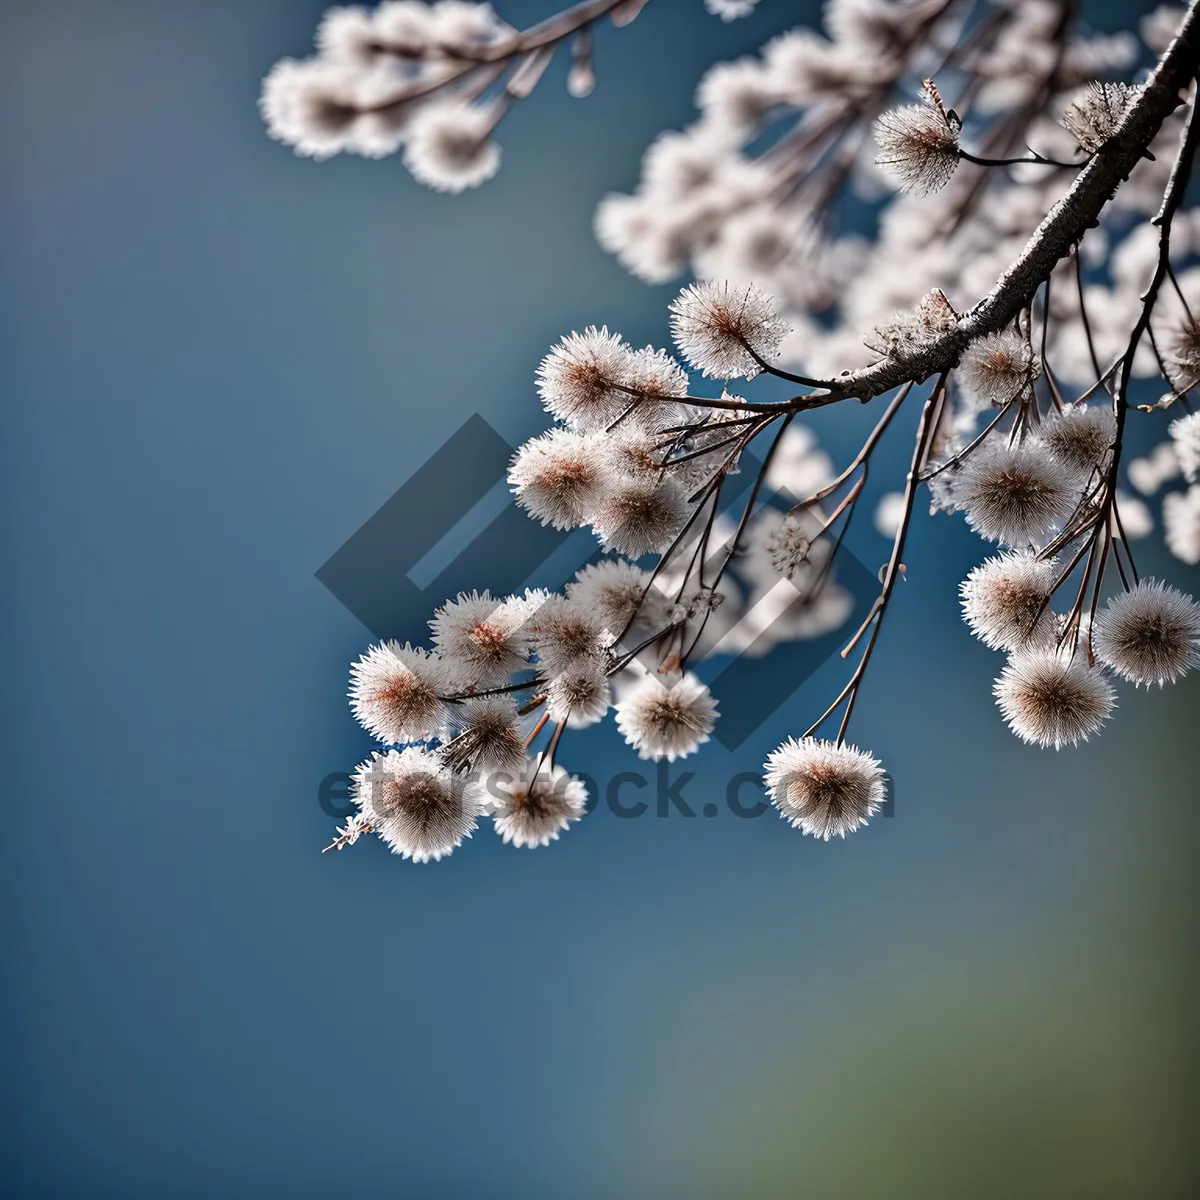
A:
1186,435
566,634
1095,113
613,590
535,808
489,736
560,477
1050,698
449,146
997,368
918,146
1148,634
1081,436
720,328
482,639
414,803
822,788
1181,524
396,692
641,516
580,380
1006,601
667,718
1016,494
580,695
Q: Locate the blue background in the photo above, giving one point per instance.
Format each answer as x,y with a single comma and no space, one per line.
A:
216,361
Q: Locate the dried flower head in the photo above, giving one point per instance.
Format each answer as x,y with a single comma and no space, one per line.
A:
395,692
1185,433
489,737
414,803
997,368
1015,494
566,634
1096,112
918,143
641,516
1051,698
580,695
1149,634
1081,436
1183,353
1006,599
909,332
534,810
579,381
788,545
483,640
449,146
658,380
822,788
668,720
560,477
720,328
612,589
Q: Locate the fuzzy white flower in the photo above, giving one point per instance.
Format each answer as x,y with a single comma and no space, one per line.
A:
889,512
534,810
312,106
1158,467
560,477
1149,634
579,381
1050,698
489,737
580,695
449,146
1185,433
656,378
730,10
641,516
414,803
1006,600
462,28
1184,354
1095,113
824,789
482,639
997,368
716,326
613,590
1181,524
918,146
1081,437
1015,494
566,634
670,720
395,692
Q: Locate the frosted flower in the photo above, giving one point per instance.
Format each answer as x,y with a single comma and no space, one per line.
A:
405,27
347,34
311,106
1096,112
566,634
613,590
1015,494
579,380
1052,699
1184,355
737,95
484,640
670,721
788,546
580,695
1149,634
414,803
1081,437
997,368
560,477
641,516
907,333
824,789
1185,433
1006,601
449,146
918,144
715,325
655,375
395,692
490,736
1181,524
462,28
1150,473
533,811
